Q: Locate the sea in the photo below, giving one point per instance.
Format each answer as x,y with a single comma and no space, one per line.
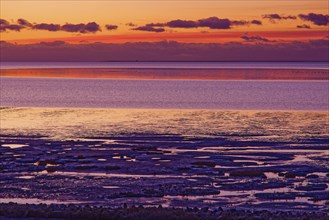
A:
165,94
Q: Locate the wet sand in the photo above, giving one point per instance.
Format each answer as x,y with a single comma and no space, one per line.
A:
173,74
253,160
59,212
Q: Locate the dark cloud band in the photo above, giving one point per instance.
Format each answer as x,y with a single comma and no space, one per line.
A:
90,27
279,17
211,23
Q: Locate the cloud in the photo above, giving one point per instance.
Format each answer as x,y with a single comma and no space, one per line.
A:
90,27
225,23
317,19
221,23
215,23
240,23
6,26
305,26
211,23
24,22
182,24
273,17
73,28
257,22
156,25
47,27
313,50
3,22
111,27
149,29
130,24
14,27
256,38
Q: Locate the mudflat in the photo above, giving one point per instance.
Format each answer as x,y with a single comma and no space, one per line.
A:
275,160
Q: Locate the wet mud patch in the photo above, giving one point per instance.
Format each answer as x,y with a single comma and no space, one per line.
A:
170,158
163,170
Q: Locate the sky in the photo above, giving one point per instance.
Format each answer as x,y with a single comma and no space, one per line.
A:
193,24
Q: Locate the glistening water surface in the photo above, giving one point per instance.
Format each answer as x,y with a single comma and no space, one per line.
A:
165,94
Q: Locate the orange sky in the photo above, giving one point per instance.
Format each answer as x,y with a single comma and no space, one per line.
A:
143,12
277,36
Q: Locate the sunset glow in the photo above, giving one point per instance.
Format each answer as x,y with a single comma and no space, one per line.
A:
126,20
164,109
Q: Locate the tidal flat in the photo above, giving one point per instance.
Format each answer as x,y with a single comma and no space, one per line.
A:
247,160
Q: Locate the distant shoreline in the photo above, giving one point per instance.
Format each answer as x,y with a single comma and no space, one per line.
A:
182,61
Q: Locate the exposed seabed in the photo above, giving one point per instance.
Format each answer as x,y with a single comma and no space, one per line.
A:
260,160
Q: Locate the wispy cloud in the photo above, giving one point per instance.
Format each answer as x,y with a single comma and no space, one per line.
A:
273,17
130,24
256,38
303,26
149,29
24,22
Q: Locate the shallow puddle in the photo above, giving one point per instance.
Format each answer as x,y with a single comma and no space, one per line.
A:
25,177
14,146
111,187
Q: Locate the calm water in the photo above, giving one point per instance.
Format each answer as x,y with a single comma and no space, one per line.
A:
176,65
176,94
